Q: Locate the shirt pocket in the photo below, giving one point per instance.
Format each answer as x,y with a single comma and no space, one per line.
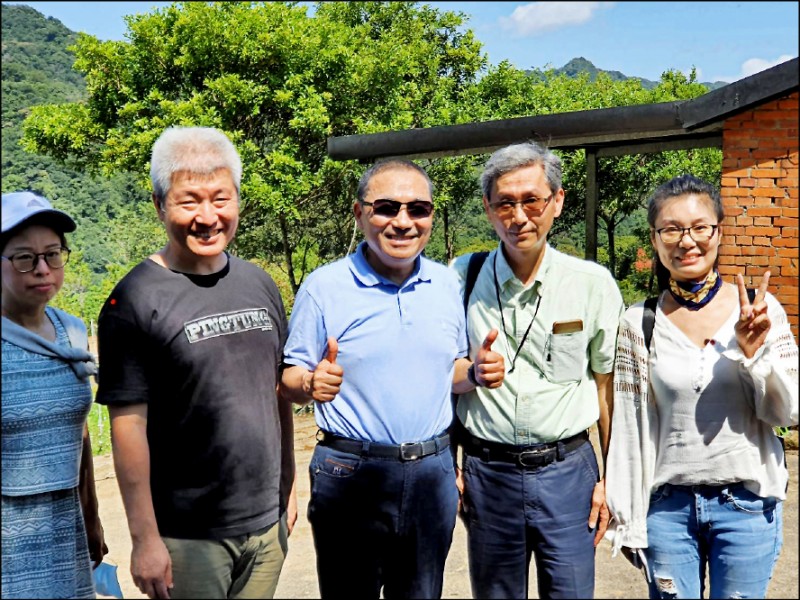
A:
565,356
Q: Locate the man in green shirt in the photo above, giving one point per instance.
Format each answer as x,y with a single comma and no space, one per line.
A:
530,482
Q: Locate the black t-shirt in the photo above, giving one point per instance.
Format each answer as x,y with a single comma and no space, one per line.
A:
204,352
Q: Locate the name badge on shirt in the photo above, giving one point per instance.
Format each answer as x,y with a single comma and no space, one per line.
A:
567,326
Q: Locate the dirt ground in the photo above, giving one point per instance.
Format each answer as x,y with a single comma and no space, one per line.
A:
615,577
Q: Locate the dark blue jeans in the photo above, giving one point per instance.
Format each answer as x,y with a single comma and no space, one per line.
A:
513,512
381,523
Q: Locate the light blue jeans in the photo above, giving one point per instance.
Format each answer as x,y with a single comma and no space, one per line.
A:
727,529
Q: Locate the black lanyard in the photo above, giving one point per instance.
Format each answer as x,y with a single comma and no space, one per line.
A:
503,320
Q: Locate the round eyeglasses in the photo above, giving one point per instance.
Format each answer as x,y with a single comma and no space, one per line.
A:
25,262
699,233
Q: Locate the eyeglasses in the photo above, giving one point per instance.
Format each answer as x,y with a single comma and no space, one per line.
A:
699,233
531,206
389,209
25,262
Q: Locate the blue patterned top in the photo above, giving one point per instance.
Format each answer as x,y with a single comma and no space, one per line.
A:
44,408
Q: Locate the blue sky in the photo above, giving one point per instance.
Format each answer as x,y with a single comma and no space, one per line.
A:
725,41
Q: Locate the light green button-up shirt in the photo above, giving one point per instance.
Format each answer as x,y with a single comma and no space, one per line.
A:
551,393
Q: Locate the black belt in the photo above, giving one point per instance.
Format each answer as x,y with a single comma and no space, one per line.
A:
404,451
537,455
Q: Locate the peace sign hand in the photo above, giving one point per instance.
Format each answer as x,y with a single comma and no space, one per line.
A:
754,323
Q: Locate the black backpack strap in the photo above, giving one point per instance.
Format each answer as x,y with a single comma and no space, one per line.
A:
649,320
649,316
474,266
476,261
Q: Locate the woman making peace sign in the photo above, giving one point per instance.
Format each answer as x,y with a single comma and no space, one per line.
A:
696,475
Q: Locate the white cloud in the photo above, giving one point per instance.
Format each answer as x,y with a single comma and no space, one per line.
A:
755,65
540,17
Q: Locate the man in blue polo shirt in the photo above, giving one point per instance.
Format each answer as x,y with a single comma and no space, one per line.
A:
378,340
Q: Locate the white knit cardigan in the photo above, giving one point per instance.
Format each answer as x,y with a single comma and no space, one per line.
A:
633,447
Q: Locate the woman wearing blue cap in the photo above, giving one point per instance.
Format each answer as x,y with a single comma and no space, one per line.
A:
51,528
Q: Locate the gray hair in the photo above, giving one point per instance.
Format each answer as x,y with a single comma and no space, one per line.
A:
384,165
199,150
517,156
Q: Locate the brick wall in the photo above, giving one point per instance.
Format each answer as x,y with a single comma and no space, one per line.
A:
759,191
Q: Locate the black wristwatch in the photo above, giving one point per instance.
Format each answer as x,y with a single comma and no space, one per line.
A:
471,376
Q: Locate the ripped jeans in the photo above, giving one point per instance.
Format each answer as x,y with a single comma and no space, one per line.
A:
727,529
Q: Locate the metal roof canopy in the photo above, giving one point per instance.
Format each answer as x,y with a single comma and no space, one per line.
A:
603,132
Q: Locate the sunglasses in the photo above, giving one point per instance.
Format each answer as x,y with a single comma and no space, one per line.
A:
416,209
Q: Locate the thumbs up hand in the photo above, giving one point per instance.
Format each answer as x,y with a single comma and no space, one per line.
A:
489,366
324,383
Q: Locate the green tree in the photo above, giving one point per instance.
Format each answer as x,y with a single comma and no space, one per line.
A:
280,83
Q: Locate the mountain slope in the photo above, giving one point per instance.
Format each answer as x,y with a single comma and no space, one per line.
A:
37,69
581,65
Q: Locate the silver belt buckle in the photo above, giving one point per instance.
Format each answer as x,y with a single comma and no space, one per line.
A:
410,450
536,457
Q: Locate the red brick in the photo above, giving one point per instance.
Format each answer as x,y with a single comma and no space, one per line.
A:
790,271
774,114
736,171
765,172
759,211
791,202
765,231
736,192
763,153
762,200
761,251
766,191
782,281
735,151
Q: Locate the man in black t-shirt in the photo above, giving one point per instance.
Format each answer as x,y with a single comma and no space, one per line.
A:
190,345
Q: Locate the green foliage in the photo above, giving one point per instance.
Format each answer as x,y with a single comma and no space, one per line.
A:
37,69
282,281
281,81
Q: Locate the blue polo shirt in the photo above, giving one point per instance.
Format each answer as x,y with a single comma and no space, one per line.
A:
397,347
